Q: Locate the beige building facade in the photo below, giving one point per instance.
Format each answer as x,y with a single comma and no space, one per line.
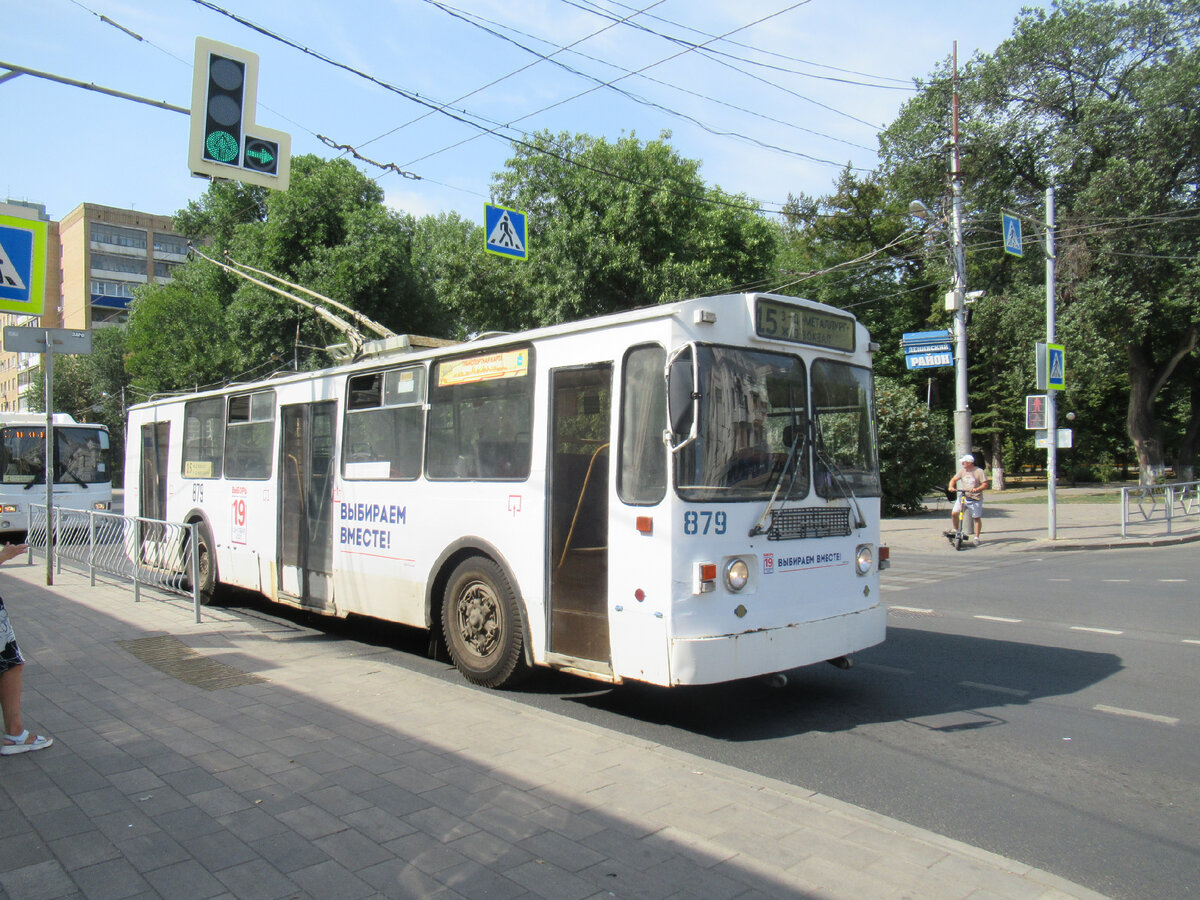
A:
97,256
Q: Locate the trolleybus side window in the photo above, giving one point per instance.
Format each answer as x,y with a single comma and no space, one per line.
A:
642,467
847,459
385,424
250,435
203,437
481,417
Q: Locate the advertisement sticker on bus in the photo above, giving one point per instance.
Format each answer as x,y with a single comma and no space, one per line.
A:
490,367
366,527
773,562
237,530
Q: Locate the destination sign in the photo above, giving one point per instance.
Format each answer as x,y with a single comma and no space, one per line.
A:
803,325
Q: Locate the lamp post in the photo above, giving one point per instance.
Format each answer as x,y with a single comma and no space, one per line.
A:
956,301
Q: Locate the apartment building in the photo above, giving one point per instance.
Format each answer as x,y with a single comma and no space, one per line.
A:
96,257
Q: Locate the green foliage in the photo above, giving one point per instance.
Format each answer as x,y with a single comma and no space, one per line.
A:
1097,98
329,232
914,446
624,225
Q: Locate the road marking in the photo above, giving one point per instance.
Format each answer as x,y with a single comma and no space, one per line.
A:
1190,641
888,670
995,688
911,609
1136,714
1172,581
1095,630
998,619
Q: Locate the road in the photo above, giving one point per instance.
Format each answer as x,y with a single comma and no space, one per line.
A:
1044,708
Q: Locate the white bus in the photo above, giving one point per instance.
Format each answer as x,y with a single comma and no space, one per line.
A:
82,466
682,494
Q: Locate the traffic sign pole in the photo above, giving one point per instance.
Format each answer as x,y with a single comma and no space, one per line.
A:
1051,396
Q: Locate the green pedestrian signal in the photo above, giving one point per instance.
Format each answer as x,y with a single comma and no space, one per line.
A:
225,140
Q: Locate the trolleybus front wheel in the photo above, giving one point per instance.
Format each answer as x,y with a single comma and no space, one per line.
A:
481,621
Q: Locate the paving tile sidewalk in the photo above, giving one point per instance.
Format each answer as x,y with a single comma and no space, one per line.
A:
274,761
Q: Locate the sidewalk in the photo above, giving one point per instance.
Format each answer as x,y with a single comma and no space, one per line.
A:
251,758
1019,520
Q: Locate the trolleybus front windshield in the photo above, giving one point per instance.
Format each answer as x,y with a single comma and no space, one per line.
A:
82,455
754,412
753,409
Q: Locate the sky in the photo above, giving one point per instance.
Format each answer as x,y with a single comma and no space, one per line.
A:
772,97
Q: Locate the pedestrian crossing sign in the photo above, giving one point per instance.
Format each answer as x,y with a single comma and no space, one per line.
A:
505,231
22,265
1056,367
1011,226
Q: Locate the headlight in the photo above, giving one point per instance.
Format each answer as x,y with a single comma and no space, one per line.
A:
737,574
864,558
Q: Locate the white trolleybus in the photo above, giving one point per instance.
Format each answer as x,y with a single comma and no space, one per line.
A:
82,463
683,494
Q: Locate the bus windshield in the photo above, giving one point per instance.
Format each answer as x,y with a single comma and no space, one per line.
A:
753,412
846,454
81,455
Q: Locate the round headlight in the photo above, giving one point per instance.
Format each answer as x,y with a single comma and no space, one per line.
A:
864,558
737,574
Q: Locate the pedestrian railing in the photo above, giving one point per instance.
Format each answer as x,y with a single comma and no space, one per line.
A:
1159,503
149,552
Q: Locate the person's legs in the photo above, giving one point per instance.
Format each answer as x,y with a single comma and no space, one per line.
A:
10,699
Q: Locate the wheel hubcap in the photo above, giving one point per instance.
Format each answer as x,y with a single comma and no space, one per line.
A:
479,618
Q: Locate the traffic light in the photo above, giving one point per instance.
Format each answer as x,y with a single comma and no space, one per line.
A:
224,108
1035,412
225,141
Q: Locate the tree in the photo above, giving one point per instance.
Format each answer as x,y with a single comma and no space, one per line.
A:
627,224
914,442
1098,98
329,232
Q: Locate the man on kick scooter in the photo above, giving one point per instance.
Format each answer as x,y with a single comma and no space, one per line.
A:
971,480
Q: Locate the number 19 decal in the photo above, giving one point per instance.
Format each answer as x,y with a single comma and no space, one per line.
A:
704,522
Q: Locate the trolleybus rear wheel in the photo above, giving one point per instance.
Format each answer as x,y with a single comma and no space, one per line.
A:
481,621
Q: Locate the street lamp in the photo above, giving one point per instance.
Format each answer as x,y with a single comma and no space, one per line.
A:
956,301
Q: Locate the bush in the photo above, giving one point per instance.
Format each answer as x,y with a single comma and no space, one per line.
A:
913,442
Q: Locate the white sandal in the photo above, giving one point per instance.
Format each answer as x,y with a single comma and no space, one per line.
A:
21,743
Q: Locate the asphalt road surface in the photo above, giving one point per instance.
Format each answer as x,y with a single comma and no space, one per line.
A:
1044,708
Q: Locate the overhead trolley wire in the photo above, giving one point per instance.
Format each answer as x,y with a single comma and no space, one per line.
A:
688,47
901,83
463,117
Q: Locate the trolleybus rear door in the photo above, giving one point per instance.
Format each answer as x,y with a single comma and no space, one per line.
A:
578,511
305,502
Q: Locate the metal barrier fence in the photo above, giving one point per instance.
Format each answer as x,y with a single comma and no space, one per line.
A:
148,552
1159,502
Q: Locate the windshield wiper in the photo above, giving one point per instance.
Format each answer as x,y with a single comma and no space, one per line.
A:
795,452
838,478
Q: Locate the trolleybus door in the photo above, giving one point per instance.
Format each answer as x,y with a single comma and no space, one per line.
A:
305,502
578,510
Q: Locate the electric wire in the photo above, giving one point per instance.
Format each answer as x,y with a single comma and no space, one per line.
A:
524,140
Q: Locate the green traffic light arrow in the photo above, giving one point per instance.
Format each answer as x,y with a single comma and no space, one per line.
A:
264,156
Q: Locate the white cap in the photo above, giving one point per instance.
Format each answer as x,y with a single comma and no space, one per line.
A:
966,457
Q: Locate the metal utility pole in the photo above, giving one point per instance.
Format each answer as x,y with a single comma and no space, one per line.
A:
962,408
1051,396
